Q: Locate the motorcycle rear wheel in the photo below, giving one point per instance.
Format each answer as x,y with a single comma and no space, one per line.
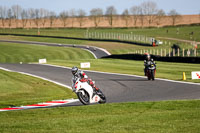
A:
103,99
152,75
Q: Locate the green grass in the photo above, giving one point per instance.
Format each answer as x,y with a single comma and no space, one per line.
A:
17,89
115,48
164,70
15,53
139,117
112,47
184,32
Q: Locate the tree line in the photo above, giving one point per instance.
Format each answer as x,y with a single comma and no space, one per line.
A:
146,13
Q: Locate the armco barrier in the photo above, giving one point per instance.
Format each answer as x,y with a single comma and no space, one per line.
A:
195,60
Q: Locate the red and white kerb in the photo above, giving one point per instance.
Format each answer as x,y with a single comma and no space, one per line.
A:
41,105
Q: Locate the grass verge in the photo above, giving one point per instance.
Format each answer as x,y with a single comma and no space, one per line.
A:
15,53
139,117
17,89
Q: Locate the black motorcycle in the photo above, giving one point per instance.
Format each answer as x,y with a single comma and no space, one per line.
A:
151,71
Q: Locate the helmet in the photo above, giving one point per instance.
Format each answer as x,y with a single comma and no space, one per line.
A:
74,70
148,56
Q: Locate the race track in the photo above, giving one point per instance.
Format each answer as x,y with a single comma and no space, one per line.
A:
96,51
117,88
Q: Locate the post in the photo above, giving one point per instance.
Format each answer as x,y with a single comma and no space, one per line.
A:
161,52
173,52
183,52
165,53
188,53
195,52
178,51
169,52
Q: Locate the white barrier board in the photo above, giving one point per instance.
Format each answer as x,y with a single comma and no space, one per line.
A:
42,61
85,65
196,75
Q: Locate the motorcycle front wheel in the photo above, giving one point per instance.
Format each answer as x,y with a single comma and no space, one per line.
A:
85,99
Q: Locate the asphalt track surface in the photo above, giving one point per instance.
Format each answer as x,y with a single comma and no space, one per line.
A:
117,88
97,52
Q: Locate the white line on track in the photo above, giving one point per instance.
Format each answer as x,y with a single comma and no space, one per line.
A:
37,77
182,82
39,105
90,52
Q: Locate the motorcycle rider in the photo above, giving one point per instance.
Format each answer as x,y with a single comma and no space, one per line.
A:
147,62
83,77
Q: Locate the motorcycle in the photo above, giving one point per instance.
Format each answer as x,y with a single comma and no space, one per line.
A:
151,71
86,94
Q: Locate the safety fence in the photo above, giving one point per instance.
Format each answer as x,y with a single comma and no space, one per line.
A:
169,52
119,36
135,38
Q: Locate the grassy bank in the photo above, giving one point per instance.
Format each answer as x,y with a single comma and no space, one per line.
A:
15,53
140,117
112,47
183,32
17,89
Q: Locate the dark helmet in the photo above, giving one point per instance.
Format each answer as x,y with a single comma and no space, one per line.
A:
74,70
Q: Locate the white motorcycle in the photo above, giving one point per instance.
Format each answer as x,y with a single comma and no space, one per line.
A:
86,93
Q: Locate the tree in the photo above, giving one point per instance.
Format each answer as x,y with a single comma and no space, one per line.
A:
126,17
9,17
135,11
141,16
3,11
16,10
43,16
199,16
31,15
80,16
24,17
174,15
160,15
37,17
149,10
52,18
111,13
72,14
64,15
96,15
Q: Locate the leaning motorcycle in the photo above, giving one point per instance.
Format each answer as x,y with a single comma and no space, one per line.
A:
86,94
151,71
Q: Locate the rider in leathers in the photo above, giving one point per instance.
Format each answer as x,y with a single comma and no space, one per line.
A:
148,61
83,77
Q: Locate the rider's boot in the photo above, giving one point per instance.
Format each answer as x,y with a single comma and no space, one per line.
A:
145,72
95,91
